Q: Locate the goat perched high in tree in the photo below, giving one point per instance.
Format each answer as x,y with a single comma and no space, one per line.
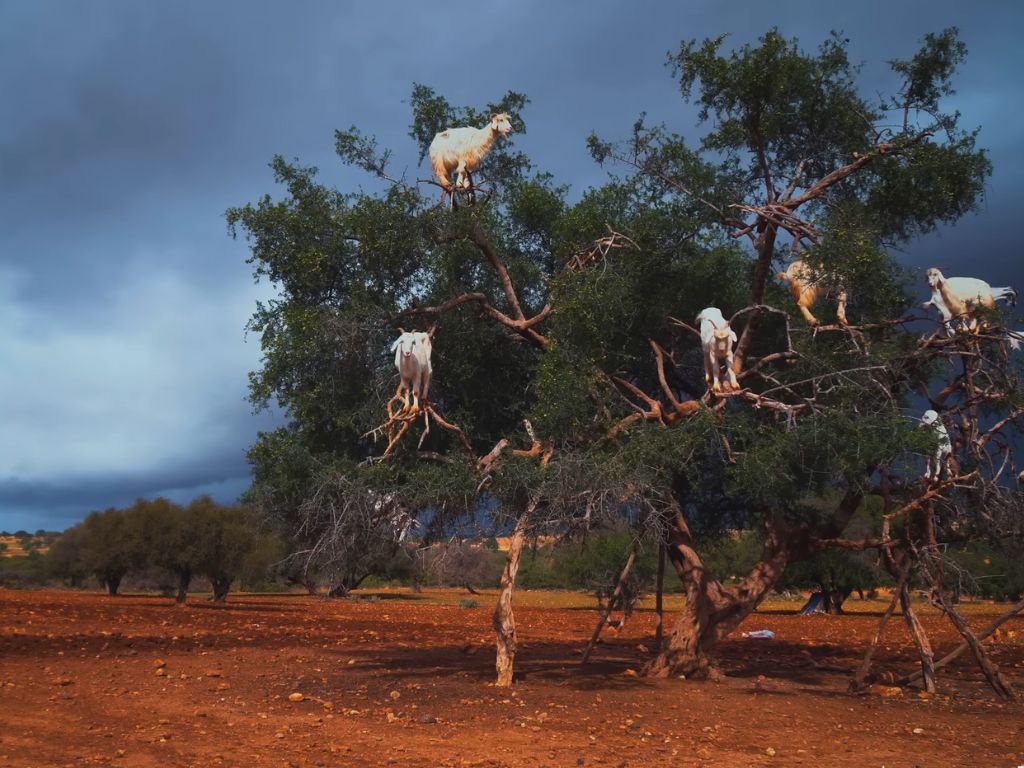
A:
461,150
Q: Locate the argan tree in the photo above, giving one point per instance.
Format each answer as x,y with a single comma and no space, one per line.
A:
568,377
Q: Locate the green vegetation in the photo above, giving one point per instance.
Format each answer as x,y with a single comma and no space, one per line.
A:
162,540
553,327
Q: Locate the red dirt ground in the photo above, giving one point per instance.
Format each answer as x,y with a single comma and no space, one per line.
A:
136,682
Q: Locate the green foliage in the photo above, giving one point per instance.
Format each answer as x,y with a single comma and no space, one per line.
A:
774,98
987,571
591,564
219,542
819,417
841,571
731,555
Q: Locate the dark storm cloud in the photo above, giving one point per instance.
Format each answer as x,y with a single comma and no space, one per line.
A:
130,127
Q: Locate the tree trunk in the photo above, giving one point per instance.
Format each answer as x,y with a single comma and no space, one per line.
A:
999,683
832,600
861,676
346,585
659,608
504,619
184,580
113,583
924,647
711,612
221,587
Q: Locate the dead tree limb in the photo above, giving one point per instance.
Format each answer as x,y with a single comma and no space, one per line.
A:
964,646
615,598
859,678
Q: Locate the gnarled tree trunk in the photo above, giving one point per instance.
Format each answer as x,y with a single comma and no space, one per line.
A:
711,611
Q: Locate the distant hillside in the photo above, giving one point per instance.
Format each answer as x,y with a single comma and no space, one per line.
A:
13,546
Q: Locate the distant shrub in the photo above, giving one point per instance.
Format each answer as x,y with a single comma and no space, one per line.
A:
469,603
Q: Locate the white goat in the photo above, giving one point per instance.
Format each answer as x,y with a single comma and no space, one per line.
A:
463,149
807,284
717,338
412,359
937,463
960,297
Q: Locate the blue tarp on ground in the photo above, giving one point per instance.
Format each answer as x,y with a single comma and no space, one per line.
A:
814,604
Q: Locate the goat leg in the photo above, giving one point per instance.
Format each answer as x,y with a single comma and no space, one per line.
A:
841,308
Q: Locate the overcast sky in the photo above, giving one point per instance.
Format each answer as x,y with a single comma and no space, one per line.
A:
128,128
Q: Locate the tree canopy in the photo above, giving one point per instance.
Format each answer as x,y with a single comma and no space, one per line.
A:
564,351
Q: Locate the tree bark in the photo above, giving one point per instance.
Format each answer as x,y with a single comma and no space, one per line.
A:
832,600
113,583
338,590
861,675
924,647
762,270
504,619
991,671
659,607
221,587
711,612
184,580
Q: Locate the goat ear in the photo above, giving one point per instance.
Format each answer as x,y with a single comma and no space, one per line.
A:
732,335
395,345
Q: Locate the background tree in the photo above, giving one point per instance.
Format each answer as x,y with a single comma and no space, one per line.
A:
165,536
65,557
224,541
108,552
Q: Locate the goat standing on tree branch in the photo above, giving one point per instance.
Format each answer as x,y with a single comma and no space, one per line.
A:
463,149
717,338
938,463
806,285
960,297
412,359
